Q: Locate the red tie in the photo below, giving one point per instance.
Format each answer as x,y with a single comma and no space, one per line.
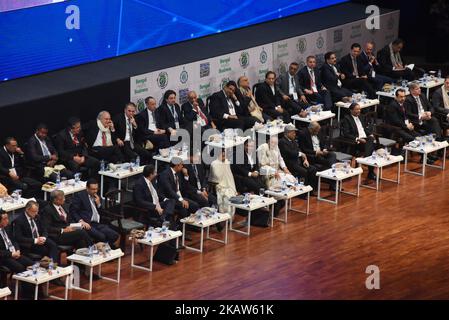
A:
62,214
202,115
75,140
103,139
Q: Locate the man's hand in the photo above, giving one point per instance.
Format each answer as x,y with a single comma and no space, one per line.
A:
277,175
364,77
97,200
85,225
319,153
133,122
279,109
185,172
78,159
205,195
362,141
304,99
307,91
120,142
286,170
306,163
172,132
410,126
13,176
303,113
51,163
185,204
159,210
19,151
342,76
40,241
68,229
159,131
285,97
111,126
325,152
54,157
16,254
254,174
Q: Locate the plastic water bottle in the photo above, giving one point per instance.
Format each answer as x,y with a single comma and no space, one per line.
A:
333,168
35,268
102,165
284,185
91,251
77,177
58,179
137,162
439,74
373,155
51,266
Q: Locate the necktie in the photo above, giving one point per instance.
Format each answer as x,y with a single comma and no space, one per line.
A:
45,150
103,139
75,140
312,81
402,108
201,114
420,107
62,214
8,242
130,132
354,65
198,183
34,232
293,83
95,216
177,182
175,116
231,107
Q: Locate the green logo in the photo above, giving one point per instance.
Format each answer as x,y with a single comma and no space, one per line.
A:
282,68
162,80
301,45
140,104
184,76
320,42
244,59
263,56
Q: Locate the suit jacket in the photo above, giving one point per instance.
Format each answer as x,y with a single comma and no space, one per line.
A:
349,128
167,184
282,83
192,184
365,64
289,150
304,79
191,115
80,207
142,120
411,107
347,68
91,132
437,102
4,251
120,127
53,221
5,163
166,117
265,97
243,169
34,151
306,144
67,149
22,230
142,195
396,115
329,78
218,106
384,59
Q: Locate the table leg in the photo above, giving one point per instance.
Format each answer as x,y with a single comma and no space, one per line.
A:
151,258
91,273
36,291
16,295
379,172
101,186
183,234
338,118
155,166
286,210
337,189
399,171
272,215
120,188
45,195
249,223
424,164
358,184
308,203
66,295
118,269
226,231
202,238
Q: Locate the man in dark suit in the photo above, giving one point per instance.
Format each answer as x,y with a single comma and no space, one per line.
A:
332,77
289,87
270,99
173,187
355,76
32,235
396,116
370,67
10,254
314,145
146,195
12,171
85,209
171,117
245,170
440,100
296,160
355,129
41,154
310,81
196,182
149,126
72,149
102,140
57,218
126,131
418,111
391,63
227,110
195,111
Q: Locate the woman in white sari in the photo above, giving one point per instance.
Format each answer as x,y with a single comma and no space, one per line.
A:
221,175
272,164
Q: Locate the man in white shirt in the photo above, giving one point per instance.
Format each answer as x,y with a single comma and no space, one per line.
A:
290,89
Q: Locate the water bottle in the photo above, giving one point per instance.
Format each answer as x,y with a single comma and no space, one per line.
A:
91,251
373,155
58,179
246,200
439,74
137,162
284,185
51,266
35,268
102,165
77,177
333,168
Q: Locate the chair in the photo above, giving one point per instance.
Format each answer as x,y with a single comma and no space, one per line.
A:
114,212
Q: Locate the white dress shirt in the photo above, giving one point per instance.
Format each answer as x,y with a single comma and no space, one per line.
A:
336,72
316,143
178,192
360,129
95,215
7,241
99,140
45,150
151,120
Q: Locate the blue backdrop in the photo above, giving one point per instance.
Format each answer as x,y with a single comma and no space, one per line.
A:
36,40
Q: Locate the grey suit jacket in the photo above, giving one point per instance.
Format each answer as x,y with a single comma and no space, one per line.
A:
283,85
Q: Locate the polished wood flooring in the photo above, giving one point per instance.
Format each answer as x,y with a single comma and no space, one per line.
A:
403,229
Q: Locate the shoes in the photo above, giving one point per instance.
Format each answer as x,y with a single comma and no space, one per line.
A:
188,236
332,187
432,157
429,161
372,176
219,226
58,282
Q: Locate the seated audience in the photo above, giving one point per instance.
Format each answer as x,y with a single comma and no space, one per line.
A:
371,66
195,111
332,77
391,63
171,117
289,87
440,101
246,98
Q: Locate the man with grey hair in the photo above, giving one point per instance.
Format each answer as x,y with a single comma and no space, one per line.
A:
195,111
57,218
32,235
102,139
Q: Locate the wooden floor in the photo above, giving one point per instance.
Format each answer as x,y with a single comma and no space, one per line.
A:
403,229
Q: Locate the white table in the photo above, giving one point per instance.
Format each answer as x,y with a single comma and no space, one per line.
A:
228,142
97,260
430,83
425,150
119,174
338,176
167,159
392,92
273,130
16,205
156,239
4,293
288,195
363,104
256,202
42,277
379,163
320,116
69,187
205,223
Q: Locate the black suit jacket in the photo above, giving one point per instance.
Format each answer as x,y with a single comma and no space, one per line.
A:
80,207
34,151
347,68
67,149
22,230
366,66
142,124
349,128
306,144
265,97
120,127
166,117
167,184
243,169
4,251
329,78
191,115
191,186
91,132
384,59
283,85
53,221
142,195
438,103
396,115
5,163
304,79
289,151
411,107
218,106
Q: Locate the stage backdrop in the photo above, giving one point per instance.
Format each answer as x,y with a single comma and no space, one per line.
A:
207,76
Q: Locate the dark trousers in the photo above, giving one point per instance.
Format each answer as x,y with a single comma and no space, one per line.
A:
168,215
102,233
379,81
17,265
39,174
183,212
323,162
49,249
203,202
432,126
30,187
108,154
406,135
294,107
274,114
77,238
249,184
367,149
232,123
360,84
298,170
91,164
323,97
160,141
339,93
131,154
406,74
249,122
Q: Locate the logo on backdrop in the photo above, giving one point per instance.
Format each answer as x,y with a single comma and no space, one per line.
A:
319,59
141,86
283,68
223,82
225,65
263,57
244,59
338,35
320,42
140,104
204,69
356,31
184,76
301,45
162,80
183,95
205,90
